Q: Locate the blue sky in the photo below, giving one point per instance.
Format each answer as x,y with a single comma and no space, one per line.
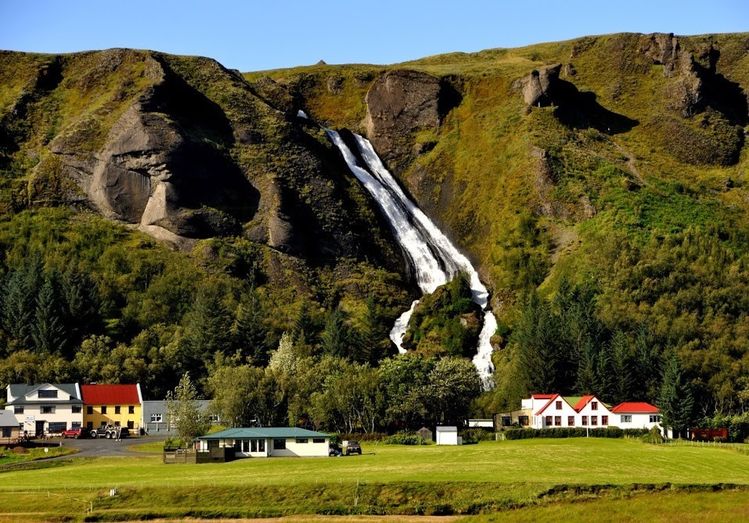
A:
254,35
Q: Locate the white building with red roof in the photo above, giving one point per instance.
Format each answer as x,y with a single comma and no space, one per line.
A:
636,415
556,411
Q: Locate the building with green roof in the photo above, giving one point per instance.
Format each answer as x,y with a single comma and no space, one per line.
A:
263,442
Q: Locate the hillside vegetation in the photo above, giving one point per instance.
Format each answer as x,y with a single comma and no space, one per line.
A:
598,184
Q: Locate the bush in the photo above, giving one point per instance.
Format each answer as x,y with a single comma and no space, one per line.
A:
573,432
654,436
738,425
175,443
476,435
405,438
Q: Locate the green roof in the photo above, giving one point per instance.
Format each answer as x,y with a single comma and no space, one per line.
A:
264,432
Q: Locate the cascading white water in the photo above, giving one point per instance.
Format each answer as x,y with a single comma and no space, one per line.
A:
435,260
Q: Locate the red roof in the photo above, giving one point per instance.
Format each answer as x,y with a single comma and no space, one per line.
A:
542,396
552,397
582,402
110,394
635,407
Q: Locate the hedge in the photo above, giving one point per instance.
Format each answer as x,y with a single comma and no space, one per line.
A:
573,432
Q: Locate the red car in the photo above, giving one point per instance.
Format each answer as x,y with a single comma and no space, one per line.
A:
71,433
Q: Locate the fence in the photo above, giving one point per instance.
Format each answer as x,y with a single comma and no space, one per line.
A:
177,455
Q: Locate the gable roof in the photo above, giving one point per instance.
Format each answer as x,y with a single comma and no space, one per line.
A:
584,400
265,432
19,391
7,419
125,394
635,407
552,399
542,396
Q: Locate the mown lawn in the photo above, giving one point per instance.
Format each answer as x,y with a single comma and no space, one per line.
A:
472,479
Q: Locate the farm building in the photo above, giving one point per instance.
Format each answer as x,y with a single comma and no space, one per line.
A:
267,442
45,408
117,405
555,411
156,418
9,427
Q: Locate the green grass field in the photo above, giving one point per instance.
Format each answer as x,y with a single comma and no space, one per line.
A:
483,478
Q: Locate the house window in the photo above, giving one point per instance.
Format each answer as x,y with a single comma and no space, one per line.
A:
130,424
557,421
130,409
585,420
103,409
594,405
56,427
654,418
214,418
89,425
604,420
47,394
157,418
559,405
302,440
548,421
18,410
594,420
524,421
76,409
89,410
570,421
47,409
116,423
626,418
506,421
75,425
279,444
318,440
117,409
6,432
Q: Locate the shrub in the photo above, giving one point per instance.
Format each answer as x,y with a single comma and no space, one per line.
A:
175,443
476,435
405,438
653,436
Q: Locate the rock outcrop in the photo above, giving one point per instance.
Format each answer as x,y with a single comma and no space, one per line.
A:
401,103
539,85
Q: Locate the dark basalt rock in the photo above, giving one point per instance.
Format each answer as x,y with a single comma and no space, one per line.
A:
403,102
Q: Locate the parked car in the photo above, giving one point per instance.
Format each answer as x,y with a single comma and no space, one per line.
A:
109,432
334,449
72,433
352,447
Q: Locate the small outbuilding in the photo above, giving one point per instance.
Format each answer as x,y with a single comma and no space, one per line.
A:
257,442
9,427
425,434
448,435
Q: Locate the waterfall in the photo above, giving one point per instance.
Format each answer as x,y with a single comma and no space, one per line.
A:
433,257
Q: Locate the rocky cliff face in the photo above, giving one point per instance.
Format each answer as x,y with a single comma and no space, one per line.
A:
401,103
183,149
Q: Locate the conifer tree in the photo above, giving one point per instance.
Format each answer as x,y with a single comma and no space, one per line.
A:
676,399
48,330
250,333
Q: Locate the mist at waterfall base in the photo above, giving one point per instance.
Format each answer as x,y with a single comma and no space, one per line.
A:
433,257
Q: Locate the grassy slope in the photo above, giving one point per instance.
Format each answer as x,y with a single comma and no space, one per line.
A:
395,479
478,181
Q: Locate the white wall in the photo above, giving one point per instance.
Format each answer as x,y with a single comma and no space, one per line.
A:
447,436
564,411
639,421
599,412
301,449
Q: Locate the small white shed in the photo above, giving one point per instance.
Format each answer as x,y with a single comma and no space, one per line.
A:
448,435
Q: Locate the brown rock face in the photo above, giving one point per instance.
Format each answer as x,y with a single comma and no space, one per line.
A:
400,103
539,85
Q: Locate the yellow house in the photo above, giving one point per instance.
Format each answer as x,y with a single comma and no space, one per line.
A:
117,405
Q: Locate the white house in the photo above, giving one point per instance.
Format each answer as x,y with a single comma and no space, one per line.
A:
554,411
636,415
268,441
46,408
593,413
448,435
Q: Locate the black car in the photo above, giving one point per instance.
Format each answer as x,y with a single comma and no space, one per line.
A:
334,450
353,447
